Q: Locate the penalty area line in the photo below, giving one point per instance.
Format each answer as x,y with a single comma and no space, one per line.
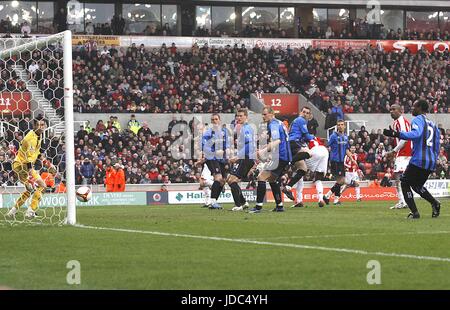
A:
275,244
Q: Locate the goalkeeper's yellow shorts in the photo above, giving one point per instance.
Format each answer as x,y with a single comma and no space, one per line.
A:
24,172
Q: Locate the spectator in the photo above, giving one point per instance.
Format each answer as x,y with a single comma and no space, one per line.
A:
110,178
282,89
337,110
25,29
90,28
92,102
60,20
145,130
87,171
119,178
312,125
133,124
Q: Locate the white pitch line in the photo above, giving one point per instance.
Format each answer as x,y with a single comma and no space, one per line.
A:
287,245
356,235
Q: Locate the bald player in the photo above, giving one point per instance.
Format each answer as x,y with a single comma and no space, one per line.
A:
402,152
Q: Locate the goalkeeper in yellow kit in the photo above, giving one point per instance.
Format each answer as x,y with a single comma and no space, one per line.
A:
23,165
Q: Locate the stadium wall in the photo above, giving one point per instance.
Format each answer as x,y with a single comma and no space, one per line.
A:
383,120
156,121
159,122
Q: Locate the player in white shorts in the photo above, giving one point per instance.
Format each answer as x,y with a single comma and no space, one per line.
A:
206,181
352,172
317,164
402,152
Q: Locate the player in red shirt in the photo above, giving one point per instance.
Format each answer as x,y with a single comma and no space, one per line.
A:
402,151
318,165
352,172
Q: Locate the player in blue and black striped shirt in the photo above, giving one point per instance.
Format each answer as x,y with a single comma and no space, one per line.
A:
215,143
425,136
279,152
339,147
246,155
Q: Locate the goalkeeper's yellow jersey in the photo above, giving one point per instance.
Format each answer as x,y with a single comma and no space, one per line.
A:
29,149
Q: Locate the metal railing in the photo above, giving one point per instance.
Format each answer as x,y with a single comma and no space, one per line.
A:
349,127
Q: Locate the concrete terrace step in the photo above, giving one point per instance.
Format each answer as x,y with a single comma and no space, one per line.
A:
56,122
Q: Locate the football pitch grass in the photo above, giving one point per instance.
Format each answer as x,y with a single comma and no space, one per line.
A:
188,247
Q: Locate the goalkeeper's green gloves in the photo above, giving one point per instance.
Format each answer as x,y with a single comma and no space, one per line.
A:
391,133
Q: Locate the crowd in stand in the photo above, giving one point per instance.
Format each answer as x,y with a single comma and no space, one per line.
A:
205,79
166,80
369,80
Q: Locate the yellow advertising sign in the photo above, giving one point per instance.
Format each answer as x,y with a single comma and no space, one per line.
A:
100,40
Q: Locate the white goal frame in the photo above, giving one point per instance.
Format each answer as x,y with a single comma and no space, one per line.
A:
66,40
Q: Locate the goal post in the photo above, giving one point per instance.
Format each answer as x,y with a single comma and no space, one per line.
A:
69,128
30,95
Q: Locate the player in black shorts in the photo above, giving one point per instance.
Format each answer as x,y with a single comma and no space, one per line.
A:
339,147
280,157
215,143
245,159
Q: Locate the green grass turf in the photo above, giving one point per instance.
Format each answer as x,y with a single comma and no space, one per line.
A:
35,257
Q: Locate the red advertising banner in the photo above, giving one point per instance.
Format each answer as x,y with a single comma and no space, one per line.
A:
413,45
387,45
343,44
367,194
15,103
283,104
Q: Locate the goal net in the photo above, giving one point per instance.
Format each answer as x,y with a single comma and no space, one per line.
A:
36,90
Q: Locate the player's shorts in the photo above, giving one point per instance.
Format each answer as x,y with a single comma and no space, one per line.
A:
207,176
319,159
242,167
415,176
337,168
23,172
276,168
401,162
216,167
351,177
295,147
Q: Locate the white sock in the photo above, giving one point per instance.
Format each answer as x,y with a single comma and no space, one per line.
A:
336,199
328,195
401,199
299,190
319,189
207,192
358,192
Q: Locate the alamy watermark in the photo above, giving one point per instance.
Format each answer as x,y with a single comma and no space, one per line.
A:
73,277
374,275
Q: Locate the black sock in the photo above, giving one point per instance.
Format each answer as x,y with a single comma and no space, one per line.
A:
296,177
336,189
425,194
275,186
216,189
260,191
236,191
243,200
409,197
300,156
